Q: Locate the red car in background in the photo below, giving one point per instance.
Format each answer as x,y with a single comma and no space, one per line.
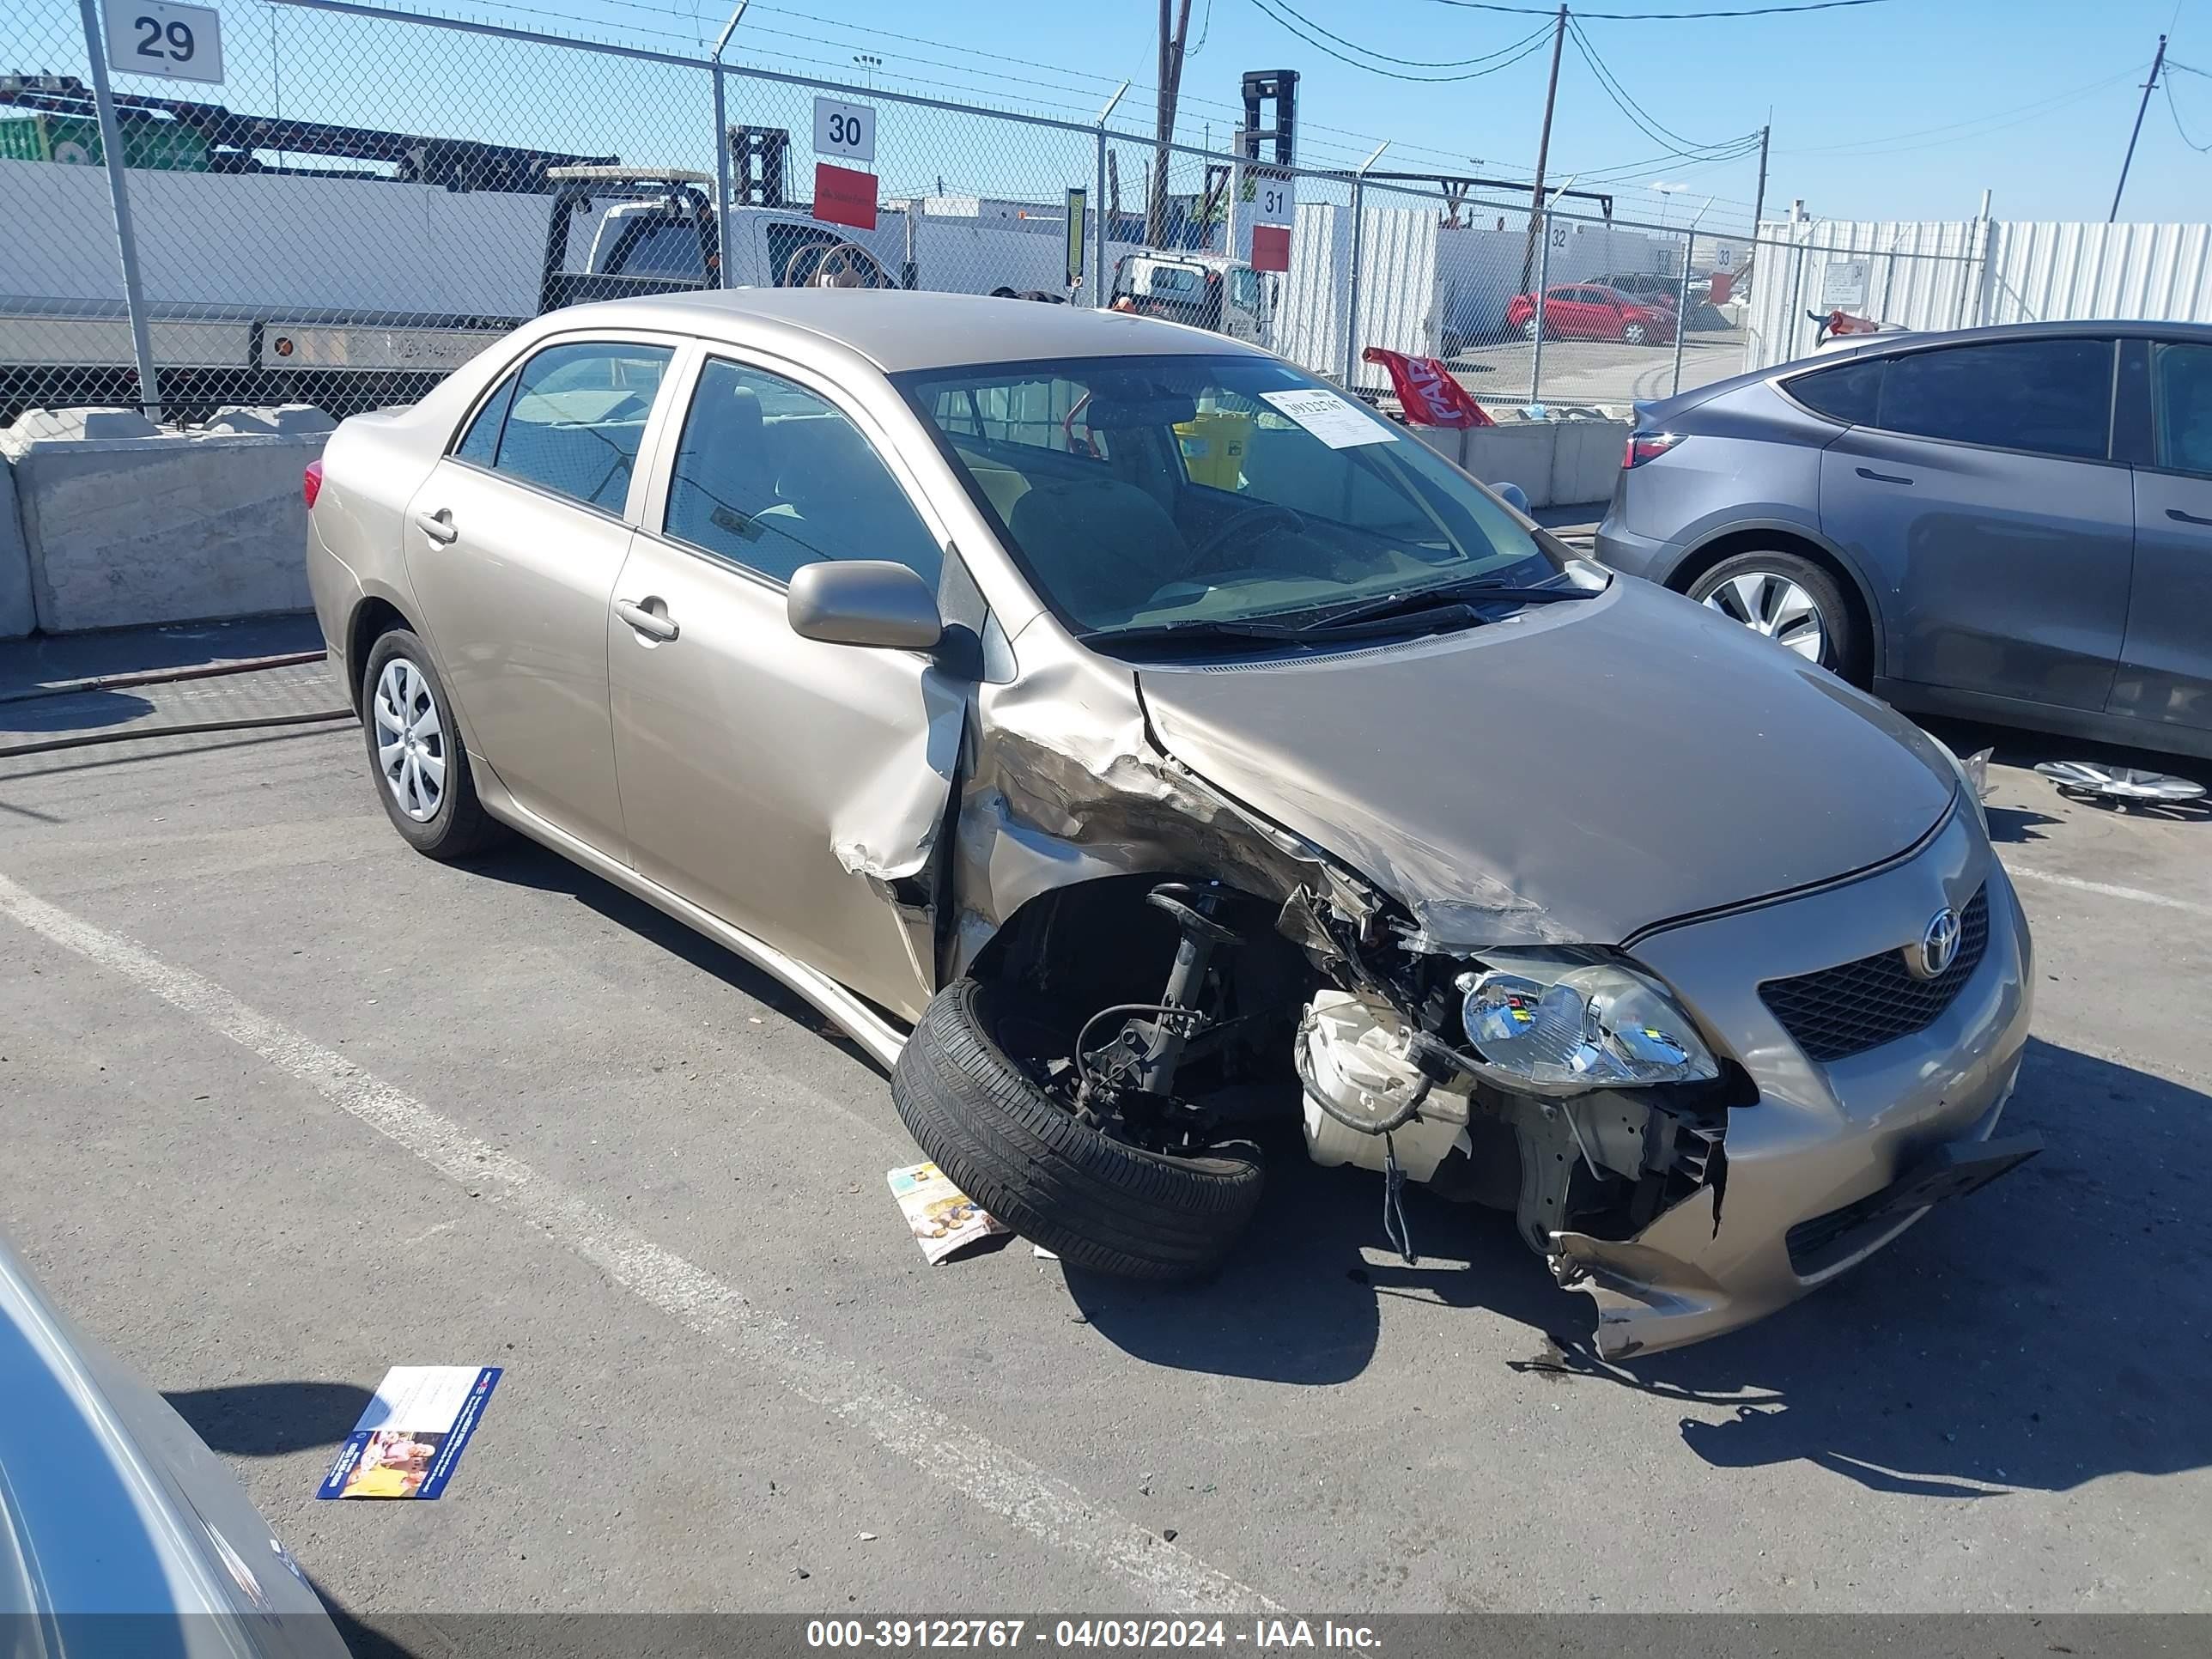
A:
1585,310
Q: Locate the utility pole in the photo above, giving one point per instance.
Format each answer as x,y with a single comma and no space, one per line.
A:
1543,153
1758,196
1172,34
2157,62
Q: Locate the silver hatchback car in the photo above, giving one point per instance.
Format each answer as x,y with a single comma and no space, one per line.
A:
1130,739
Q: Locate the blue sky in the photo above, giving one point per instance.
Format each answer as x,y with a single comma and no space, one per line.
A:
1897,109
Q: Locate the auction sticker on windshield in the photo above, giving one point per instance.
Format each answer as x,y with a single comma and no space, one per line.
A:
1337,422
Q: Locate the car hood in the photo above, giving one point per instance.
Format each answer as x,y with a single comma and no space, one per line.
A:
1576,773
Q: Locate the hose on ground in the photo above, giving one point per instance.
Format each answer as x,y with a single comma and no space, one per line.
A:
161,676
193,728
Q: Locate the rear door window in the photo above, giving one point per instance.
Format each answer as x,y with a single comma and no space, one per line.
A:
578,419
2049,397
1849,391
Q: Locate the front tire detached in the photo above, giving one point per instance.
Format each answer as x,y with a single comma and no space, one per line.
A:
1097,1202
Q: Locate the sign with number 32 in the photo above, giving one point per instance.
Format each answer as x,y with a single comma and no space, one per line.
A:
178,43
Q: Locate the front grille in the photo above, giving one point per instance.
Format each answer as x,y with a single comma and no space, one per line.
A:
1840,1012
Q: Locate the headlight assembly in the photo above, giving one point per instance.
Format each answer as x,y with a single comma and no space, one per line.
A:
1561,1024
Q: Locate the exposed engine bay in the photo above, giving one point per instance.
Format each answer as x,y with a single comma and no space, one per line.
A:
1559,1084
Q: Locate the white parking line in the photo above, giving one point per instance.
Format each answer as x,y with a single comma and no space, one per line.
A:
2136,894
1168,1578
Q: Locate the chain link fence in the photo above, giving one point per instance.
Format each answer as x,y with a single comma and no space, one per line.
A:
378,196
1928,277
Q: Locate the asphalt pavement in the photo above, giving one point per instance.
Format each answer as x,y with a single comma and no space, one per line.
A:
288,1104
1598,371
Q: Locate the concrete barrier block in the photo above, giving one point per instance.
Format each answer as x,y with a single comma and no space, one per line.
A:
41,425
290,420
1514,452
1445,440
18,616
1586,460
121,532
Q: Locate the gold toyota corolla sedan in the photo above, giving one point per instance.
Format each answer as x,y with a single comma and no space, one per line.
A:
1129,737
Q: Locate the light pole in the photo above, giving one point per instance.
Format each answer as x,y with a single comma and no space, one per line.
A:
867,63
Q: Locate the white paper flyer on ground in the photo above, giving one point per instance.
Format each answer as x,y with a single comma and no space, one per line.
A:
944,1218
1336,421
412,1433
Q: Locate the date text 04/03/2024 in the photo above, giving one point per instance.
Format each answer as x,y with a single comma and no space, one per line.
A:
1261,1635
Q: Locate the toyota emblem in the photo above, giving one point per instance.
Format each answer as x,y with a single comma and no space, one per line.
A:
1938,947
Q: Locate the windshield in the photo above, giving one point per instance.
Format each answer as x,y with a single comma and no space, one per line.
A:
1138,492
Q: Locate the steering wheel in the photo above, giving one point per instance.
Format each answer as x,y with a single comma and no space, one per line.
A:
834,264
1244,522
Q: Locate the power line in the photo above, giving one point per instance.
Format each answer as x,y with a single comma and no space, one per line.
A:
1532,44
1886,145
2174,110
1410,62
1645,122
1662,16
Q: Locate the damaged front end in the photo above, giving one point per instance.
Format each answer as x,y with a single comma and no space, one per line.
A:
1561,1083
1187,966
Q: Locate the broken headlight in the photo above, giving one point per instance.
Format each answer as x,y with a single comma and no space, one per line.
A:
1560,1024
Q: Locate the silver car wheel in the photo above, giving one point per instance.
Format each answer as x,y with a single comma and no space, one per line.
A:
1776,606
410,739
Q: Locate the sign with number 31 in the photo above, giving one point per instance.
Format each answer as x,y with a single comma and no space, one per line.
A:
178,43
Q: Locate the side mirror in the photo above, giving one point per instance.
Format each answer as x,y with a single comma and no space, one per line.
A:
864,602
1513,495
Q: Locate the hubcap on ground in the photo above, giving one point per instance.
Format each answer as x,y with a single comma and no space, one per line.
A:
410,740
1776,606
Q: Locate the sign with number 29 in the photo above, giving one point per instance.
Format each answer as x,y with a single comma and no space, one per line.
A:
178,43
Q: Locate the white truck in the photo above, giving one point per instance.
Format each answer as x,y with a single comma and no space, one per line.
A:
1207,290
350,292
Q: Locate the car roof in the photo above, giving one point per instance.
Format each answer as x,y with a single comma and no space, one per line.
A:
1902,340
897,330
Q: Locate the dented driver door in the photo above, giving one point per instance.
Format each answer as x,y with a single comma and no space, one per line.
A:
791,788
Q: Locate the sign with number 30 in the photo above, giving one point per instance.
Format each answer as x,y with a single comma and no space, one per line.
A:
178,43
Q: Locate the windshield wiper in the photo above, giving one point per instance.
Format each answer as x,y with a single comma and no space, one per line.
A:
1461,596
1196,630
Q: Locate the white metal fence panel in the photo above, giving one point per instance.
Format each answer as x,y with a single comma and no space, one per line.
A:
1965,273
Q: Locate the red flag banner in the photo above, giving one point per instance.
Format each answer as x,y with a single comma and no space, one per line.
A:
843,195
1427,391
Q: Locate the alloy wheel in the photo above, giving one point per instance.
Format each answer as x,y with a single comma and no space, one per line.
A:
410,739
1774,606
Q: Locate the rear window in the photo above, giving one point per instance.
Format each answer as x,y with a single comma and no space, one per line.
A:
661,247
2051,397
1848,392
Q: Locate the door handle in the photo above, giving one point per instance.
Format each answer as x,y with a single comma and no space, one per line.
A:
1883,477
654,624
438,526
2186,518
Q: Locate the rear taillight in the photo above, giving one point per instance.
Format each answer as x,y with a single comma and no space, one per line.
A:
310,484
1647,445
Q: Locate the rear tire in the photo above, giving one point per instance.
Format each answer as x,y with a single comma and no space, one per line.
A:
1798,603
1097,1202
415,755
1528,329
1635,334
